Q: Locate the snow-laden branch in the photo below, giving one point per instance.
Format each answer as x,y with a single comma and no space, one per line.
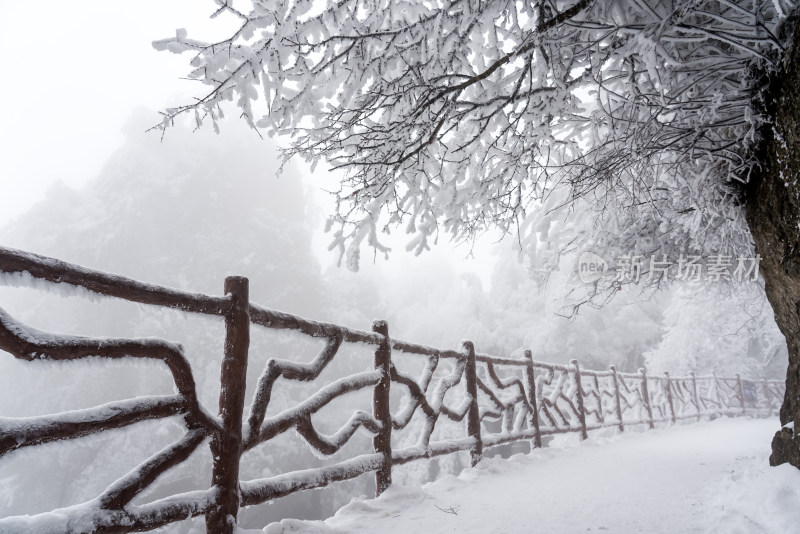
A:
454,117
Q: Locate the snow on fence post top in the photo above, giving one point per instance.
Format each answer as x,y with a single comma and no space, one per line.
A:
226,444
381,409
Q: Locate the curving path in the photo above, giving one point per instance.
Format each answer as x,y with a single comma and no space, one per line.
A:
704,477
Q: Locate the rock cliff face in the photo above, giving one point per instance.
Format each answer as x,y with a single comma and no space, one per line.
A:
773,213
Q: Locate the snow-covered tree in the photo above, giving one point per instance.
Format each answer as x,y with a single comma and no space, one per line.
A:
719,330
456,116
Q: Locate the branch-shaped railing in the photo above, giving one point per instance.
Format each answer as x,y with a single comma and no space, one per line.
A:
529,399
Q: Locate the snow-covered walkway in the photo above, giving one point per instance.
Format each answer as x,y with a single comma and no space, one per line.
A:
705,477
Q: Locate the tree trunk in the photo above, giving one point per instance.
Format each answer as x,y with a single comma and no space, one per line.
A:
773,214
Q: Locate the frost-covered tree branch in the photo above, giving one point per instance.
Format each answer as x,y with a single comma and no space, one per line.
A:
458,116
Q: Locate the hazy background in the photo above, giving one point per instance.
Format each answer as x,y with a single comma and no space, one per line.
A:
81,180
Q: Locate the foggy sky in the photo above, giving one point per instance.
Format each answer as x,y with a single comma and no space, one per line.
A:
76,72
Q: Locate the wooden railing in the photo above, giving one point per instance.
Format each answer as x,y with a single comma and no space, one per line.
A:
530,399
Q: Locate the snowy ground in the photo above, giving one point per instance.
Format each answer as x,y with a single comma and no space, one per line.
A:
706,477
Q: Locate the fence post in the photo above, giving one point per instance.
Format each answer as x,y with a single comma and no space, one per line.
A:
767,395
600,412
579,388
741,393
719,394
695,397
473,414
533,419
226,445
646,399
613,369
381,409
669,397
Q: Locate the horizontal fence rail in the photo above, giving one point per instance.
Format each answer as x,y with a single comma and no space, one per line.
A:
496,400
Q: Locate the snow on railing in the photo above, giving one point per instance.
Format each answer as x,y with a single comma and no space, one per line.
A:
529,399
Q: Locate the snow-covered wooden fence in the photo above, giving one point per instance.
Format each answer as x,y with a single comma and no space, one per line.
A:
531,399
